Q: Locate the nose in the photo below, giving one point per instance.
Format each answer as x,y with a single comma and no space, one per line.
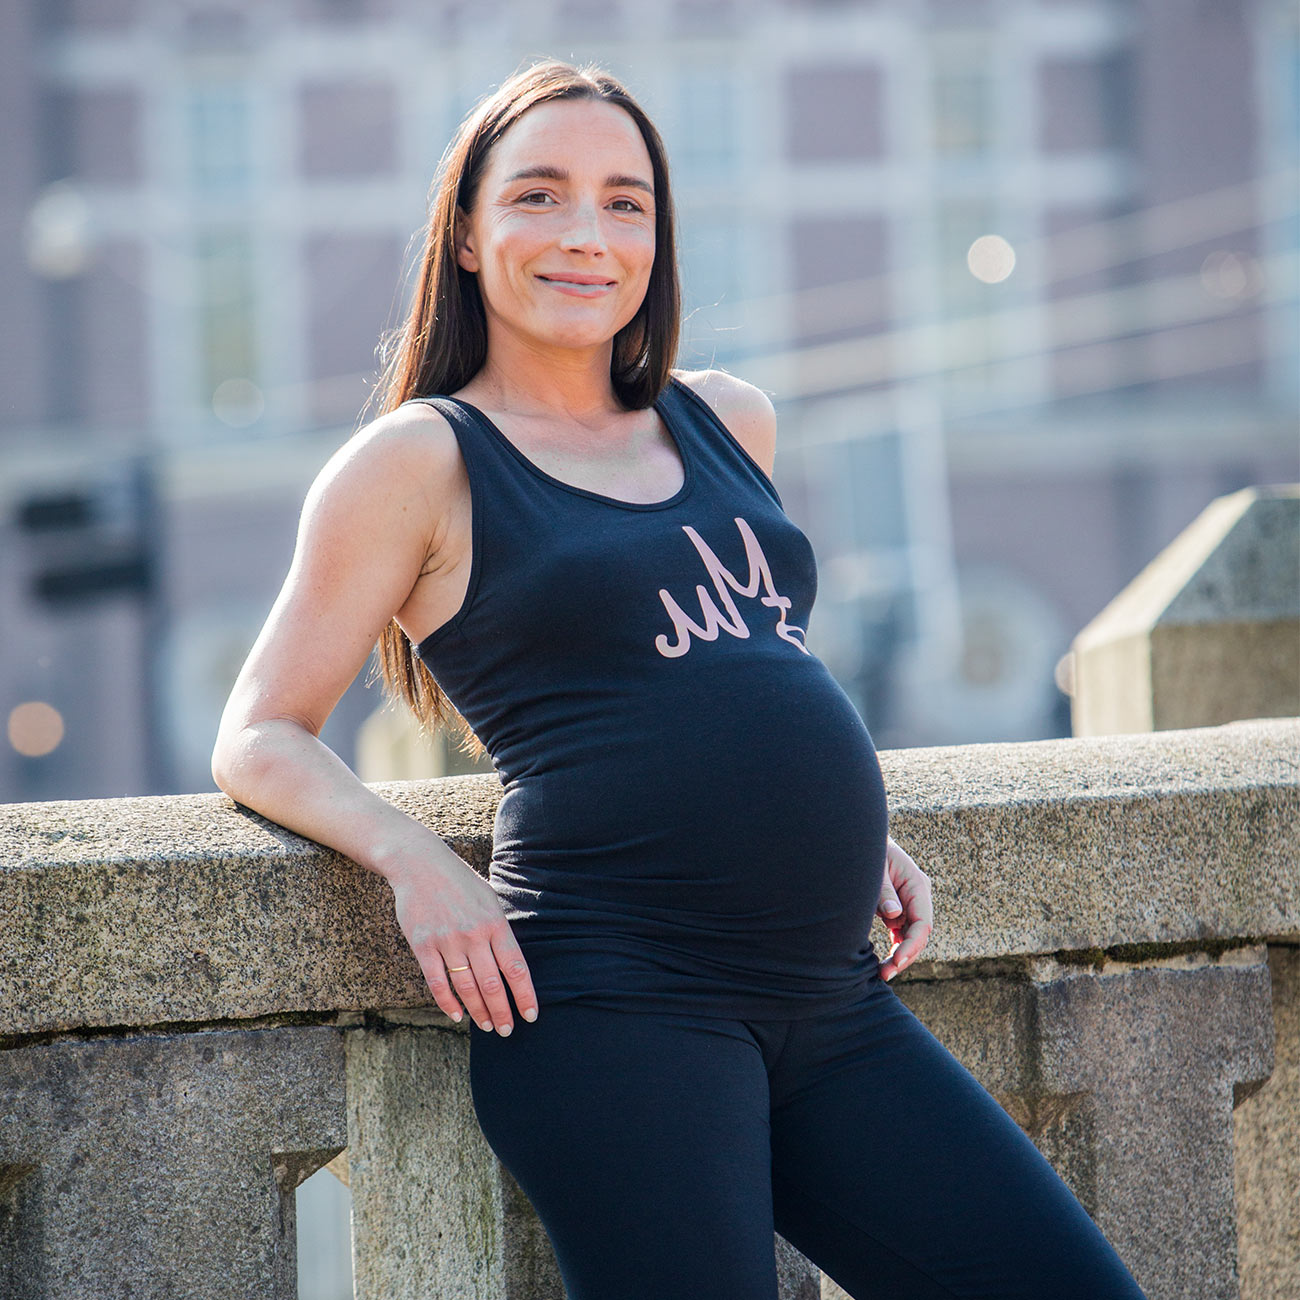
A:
583,233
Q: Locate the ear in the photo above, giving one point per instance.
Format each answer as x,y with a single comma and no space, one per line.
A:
466,257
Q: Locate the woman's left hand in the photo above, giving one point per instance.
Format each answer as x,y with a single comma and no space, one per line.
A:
905,908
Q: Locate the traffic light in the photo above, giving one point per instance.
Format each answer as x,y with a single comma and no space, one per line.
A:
94,539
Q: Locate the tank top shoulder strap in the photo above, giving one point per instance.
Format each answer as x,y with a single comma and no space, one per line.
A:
711,440
462,421
493,464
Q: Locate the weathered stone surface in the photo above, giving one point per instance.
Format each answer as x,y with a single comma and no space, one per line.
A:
164,910
1209,632
163,1167
1268,1151
433,1211
1103,842
1161,1054
1127,1084
159,911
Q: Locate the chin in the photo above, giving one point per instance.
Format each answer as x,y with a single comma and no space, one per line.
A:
584,335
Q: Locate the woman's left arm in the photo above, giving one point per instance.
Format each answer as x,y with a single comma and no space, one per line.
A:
905,908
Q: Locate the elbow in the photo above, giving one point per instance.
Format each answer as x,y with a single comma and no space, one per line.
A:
240,762
226,764
219,777
247,759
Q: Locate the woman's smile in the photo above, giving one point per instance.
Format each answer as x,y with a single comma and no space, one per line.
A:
582,286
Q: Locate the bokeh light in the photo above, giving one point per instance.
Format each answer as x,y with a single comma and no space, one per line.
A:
991,259
57,236
35,728
238,403
1226,274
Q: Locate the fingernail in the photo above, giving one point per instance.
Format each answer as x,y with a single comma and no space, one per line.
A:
531,1013
504,1031
485,1025
458,1017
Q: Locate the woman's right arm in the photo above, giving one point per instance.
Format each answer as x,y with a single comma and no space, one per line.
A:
376,520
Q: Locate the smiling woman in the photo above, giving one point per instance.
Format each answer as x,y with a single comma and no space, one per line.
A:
583,552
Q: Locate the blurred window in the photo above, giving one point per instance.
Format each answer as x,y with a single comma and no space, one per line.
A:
587,16
1086,103
343,10
348,129
1281,148
962,97
705,144
219,136
695,17
872,469
709,259
959,223
835,113
226,306
968,333
215,30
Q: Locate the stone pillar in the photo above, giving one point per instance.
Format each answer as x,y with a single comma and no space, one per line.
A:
1208,632
433,1211
1127,1083
1268,1151
164,1166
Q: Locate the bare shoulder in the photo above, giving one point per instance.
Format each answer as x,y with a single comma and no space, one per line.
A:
747,411
414,437
408,454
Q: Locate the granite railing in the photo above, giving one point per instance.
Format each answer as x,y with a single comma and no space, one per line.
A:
199,1009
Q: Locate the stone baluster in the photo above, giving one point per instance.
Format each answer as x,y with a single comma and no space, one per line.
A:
163,1166
1268,1150
433,1211
1127,1083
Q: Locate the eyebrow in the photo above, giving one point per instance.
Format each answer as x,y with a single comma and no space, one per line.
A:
545,172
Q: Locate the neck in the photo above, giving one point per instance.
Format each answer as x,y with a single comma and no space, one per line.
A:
525,378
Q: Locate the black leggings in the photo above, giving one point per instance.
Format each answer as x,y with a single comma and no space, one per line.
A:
660,1151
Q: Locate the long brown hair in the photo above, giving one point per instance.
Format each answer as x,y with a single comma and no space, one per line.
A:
443,343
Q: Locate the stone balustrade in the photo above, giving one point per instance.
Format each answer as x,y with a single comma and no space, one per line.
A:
199,1009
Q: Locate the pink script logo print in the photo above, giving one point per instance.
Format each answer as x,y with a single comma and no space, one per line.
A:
724,583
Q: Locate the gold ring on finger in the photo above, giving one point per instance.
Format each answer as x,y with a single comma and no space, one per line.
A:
452,969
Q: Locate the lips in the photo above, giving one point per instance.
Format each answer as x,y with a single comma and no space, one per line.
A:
568,277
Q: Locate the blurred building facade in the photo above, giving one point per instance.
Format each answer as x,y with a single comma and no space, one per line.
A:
1021,275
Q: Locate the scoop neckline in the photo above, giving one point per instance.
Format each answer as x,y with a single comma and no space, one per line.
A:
688,468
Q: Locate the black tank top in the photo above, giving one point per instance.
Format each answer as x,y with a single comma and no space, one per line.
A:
693,816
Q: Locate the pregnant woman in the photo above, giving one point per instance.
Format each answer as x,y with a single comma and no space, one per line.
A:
684,1038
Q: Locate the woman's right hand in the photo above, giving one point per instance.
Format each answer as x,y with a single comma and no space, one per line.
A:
452,919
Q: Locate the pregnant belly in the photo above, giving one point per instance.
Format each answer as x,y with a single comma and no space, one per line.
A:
746,811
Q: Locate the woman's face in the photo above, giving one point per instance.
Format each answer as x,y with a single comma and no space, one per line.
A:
562,236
